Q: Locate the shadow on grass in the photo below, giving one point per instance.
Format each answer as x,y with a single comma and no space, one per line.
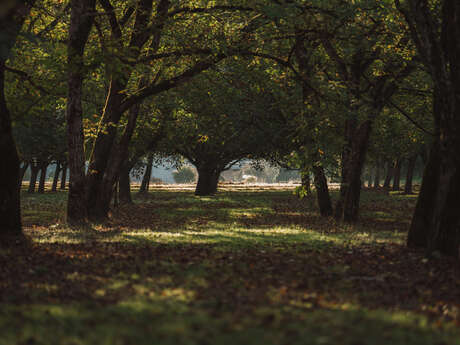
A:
174,321
236,268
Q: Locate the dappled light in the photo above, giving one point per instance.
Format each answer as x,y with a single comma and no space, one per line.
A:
229,172
222,268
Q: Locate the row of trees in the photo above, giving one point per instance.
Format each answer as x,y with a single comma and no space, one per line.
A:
311,85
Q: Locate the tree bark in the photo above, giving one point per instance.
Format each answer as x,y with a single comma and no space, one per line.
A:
423,214
347,208
208,179
410,174
63,176
397,175
81,21
56,177
11,22
124,186
389,175
437,38
322,192
377,174
34,170
41,184
147,175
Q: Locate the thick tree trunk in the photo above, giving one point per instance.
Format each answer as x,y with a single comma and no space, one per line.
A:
41,184
124,186
389,175
208,179
322,192
81,20
34,170
347,208
147,175
410,174
10,218
377,174
397,175
63,176
436,35
11,21
56,177
22,172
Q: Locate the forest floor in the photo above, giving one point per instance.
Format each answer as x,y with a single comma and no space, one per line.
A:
243,267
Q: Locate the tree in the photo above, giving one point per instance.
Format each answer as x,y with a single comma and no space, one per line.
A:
222,118
435,31
184,175
81,21
11,20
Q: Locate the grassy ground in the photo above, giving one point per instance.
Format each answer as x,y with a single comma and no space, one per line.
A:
242,267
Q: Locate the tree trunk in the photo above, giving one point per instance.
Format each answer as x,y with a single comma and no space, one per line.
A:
10,218
377,174
419,228
124,184
22,172
63,176
436,36
369,180
147,175
56,177
436,221
10,209
322,192
305,180
347,208
410,174
208,178
397,175
389,175
81,21
34,170
41,184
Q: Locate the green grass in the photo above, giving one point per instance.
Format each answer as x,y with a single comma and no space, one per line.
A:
237,268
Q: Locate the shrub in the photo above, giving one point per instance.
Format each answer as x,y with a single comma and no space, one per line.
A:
184,175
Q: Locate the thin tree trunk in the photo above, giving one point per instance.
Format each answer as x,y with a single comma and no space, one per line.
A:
34,170
22,172
397,175
147,175
81,21
389,175
56,177
377,174
410,174
369,180
63,176
322,192
41,184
